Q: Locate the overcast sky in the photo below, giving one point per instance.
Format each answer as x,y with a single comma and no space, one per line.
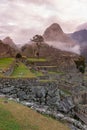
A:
21,19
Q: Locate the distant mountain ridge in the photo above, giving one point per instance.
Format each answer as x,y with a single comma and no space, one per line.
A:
9,42
6,50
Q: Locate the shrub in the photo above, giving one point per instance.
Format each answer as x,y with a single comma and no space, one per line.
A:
18,56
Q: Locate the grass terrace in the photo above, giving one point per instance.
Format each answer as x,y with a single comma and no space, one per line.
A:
37,59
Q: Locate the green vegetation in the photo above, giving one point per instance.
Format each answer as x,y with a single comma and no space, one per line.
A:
6,61
14,116
7,121
38,40
37,59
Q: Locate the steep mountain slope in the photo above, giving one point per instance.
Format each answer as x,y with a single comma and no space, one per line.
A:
9,42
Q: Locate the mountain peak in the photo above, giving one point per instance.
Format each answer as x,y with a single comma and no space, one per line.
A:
56,27
53,33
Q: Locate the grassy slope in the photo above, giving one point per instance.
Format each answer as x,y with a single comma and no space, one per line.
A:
5,63
22,71
14,116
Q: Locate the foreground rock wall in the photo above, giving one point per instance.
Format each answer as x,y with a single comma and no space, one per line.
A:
45,98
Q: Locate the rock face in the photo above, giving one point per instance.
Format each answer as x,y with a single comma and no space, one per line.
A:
9,42
55,33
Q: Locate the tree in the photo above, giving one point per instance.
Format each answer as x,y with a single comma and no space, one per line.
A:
38,40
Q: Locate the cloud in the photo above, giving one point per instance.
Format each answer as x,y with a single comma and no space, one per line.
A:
34,16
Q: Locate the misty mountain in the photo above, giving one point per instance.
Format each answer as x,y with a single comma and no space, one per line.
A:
82,27
55,37
81,38
10,42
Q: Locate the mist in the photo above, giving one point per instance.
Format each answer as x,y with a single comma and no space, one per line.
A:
65,47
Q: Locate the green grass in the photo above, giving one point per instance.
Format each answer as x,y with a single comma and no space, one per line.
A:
37,60
14,116
22,71
5,63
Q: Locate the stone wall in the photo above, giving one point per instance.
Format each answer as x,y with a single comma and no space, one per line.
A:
30,90
82,109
